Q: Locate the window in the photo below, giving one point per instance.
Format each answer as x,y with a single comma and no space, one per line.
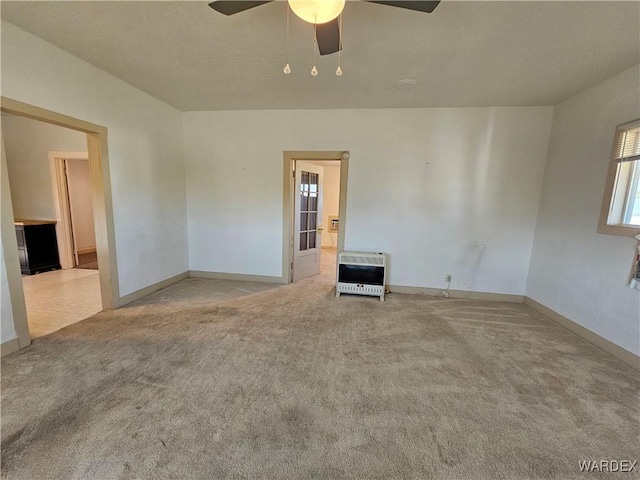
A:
621,205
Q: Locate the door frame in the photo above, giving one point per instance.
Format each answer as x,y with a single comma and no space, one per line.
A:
289,158
98,155
64,227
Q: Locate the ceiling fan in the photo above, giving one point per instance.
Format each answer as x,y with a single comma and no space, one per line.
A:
327,23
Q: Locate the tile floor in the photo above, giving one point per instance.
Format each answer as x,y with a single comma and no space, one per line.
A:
59,298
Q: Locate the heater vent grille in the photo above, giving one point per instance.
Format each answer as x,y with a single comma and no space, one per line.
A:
361,273
375,259
362,289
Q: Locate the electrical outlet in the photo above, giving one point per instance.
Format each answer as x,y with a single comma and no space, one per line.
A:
447,278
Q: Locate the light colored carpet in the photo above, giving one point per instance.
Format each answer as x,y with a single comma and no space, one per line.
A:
210,379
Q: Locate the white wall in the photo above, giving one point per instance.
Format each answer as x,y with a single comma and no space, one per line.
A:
79,181
27,145
7,331
7,238
445,190
576,271
330,206
145,150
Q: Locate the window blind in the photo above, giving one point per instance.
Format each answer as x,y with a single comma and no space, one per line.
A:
627,147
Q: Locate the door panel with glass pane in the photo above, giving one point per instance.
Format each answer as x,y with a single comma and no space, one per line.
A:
308,208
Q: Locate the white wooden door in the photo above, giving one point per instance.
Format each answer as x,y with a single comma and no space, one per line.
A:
80,206
307,241
71,213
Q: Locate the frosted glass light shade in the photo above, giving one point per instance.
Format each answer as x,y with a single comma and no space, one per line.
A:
317,11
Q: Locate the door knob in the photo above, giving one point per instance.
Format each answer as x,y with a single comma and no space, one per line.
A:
320,229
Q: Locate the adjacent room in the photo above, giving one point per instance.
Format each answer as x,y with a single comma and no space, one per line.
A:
401,240
50,183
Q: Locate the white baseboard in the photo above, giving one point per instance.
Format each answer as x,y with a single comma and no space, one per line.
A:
143,292
437,292
242,277
82,251
9,346
608,346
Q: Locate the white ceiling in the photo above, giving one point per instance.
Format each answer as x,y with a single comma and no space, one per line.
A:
475,53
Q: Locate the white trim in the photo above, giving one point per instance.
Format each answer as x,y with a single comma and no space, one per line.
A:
61,202
11,260
144,292
9,347
98,155
437,292
593,338
289,158
242,277
622,354
608,200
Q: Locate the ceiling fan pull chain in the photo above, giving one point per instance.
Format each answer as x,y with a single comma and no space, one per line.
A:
339,69
287,68
314,70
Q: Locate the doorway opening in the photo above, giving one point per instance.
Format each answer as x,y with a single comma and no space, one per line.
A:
54,225
79,173
75,228
314,212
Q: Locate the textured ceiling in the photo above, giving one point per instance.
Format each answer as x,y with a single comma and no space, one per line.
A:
464,54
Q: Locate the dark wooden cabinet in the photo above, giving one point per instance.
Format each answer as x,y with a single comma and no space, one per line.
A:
37,246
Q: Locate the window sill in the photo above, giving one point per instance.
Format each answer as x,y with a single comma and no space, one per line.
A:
620,230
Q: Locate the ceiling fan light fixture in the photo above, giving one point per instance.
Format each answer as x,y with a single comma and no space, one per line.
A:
317,11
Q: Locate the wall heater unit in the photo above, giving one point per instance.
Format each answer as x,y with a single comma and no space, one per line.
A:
362,273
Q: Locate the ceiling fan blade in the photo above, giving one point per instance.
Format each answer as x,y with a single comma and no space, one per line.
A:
328,37
230,7
419,6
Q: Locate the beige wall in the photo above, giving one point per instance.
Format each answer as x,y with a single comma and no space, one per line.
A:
576,271
331,196
441,190
145,144
11,294
7,331
27,145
